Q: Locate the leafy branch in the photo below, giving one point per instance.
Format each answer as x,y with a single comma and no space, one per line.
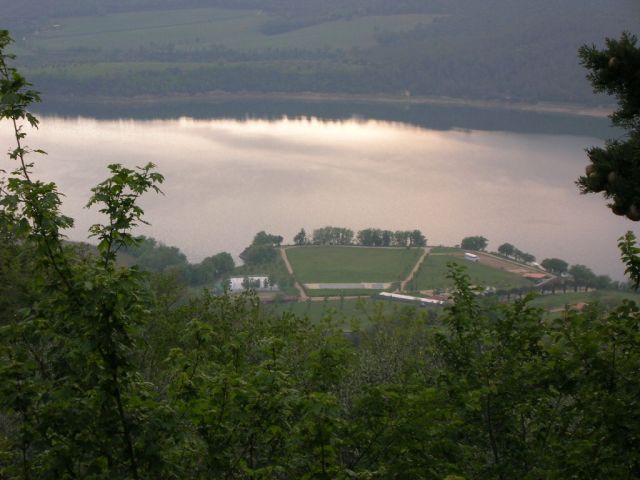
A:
119,194
631,257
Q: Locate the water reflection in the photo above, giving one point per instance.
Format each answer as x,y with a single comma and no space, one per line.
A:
430,116
227,179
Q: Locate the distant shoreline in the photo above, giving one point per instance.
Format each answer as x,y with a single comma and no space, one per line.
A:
313,97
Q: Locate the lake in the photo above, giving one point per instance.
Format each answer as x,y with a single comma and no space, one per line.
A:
509,177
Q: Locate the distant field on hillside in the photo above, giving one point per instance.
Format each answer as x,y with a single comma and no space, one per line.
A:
179,75
352,264
196,29
447,48
433,274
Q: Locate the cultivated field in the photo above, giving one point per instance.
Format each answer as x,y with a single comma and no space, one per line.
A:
196,29
433,274
352,264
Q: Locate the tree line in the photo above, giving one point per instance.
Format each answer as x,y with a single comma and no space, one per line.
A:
153,256
368,237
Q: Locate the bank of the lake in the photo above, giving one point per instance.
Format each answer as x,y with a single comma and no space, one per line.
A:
229,177
217,97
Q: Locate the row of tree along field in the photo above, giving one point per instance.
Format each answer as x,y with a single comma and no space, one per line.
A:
479,243
368,237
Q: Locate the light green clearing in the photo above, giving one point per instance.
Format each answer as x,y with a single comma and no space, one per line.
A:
352,264
195,29
433,275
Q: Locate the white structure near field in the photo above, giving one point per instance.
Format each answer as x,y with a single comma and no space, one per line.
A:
408,298
259,283
471,257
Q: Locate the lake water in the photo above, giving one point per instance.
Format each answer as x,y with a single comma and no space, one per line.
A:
228,178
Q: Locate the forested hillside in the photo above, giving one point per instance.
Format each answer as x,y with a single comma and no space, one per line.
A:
506,50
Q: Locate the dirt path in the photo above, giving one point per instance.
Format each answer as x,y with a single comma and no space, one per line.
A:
413,272
507,264
303,295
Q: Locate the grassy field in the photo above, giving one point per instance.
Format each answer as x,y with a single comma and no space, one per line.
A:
349,313
195,29
176,71
433,274
439,250
346,293
352,264
608,298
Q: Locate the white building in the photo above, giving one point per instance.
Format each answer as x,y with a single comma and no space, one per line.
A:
408,298
259,283
471,257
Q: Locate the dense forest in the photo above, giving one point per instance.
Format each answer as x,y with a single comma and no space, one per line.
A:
504,50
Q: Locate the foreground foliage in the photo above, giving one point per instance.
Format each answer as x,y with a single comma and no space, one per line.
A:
101,378
615,168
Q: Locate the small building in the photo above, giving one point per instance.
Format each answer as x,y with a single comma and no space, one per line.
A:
471,257
259,283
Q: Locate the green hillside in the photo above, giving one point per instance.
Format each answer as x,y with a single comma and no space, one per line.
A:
198,29
433,275
352,264
508,50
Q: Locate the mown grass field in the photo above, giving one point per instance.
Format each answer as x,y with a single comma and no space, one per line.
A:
352,264
433,274
195,29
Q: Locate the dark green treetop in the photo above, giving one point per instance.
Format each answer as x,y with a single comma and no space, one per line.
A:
474,243
615,168
300,238
555,265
